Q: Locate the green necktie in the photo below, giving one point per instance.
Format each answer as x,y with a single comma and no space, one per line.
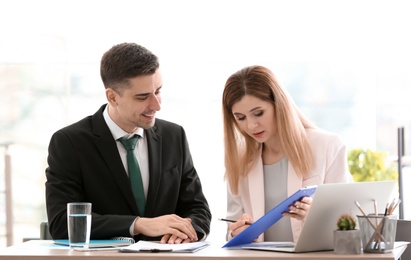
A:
134,172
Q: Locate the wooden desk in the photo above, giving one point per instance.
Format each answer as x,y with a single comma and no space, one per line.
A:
43,249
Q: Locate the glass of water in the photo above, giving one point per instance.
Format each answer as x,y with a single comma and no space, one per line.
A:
79,224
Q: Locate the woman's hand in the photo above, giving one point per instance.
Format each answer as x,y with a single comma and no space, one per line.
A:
299,209
241,224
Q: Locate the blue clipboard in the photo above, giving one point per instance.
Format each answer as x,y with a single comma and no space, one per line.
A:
266,221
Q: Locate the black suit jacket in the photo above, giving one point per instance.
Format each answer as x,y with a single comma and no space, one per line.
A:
84,165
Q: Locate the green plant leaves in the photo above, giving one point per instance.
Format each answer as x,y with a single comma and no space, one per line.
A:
369,165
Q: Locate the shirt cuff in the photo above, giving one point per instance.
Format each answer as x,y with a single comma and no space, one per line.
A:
131,230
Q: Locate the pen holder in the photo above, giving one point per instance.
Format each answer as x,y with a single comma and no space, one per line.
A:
377,233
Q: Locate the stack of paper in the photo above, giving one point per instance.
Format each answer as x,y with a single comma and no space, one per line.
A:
145,246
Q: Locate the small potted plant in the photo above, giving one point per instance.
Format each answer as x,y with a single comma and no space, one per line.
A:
347,239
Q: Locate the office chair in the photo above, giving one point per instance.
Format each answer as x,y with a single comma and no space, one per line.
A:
44,231
404,234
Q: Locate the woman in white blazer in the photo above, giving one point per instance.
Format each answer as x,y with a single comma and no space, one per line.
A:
272,150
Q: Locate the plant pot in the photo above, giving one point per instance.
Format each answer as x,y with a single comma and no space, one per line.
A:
347,242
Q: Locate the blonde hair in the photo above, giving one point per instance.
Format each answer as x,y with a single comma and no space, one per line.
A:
241,150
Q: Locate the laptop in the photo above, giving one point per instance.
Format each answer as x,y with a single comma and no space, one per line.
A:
329,202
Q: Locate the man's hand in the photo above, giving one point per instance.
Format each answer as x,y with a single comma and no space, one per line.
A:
174,229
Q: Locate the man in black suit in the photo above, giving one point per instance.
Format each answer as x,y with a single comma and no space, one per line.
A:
87,162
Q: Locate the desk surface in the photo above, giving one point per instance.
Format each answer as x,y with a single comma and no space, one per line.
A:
43,249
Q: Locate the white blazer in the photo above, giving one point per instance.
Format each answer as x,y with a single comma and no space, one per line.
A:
331,166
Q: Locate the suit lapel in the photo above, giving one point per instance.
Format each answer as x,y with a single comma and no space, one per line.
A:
154,143
107,147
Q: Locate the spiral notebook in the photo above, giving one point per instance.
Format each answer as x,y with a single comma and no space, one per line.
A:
102,243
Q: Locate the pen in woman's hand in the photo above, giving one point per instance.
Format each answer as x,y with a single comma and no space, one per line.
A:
232,221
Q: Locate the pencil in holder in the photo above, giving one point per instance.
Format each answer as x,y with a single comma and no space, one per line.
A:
377,232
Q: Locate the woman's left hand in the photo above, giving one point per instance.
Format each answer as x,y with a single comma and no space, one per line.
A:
299,209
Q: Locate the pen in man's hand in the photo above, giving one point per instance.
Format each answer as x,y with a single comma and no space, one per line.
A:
232,221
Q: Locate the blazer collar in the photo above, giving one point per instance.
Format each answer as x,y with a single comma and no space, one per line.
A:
107,147
154,143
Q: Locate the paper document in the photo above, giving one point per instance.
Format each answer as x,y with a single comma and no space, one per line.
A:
146,246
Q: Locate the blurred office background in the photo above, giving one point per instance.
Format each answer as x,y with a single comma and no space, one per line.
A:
346,63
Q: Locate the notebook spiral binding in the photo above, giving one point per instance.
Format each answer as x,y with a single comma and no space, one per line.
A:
130,239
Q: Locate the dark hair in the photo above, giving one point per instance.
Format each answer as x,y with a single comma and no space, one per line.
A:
124,61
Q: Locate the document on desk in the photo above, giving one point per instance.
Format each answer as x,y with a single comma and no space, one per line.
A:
156,247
